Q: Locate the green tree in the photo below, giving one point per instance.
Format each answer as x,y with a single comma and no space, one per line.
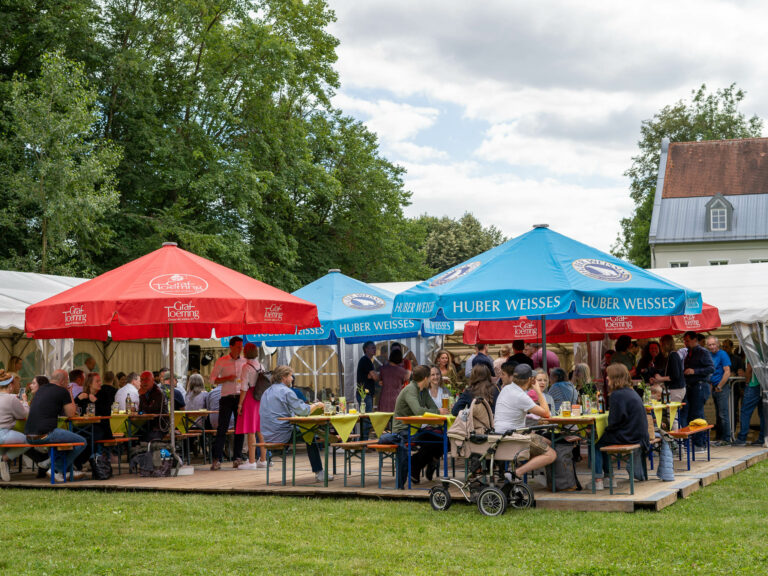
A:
451,242
708,116
62,178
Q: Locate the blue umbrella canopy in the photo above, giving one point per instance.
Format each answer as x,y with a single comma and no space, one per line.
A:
354,311
543,273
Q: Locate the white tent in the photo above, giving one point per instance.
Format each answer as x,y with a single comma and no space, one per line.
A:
20,289
739,291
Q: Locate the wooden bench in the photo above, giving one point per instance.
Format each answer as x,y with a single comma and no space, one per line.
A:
621,452
117,442
353,450
269,448
53,448
386,451
185,437
683,436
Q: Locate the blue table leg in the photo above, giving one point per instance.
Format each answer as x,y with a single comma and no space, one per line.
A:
52,458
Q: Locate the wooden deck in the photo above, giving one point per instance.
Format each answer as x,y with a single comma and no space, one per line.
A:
652,494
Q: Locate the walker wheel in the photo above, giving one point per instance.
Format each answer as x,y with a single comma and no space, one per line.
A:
491,501
439,498
519,495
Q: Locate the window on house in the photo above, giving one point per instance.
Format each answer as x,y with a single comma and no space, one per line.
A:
678,264
757,260
718,262
719,219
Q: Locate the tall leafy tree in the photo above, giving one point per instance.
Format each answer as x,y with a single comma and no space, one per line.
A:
708,116
451,242
61,182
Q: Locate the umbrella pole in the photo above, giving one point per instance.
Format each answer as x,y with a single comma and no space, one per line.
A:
171,391
340,368
544,344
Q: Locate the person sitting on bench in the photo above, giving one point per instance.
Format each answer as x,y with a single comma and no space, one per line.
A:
11,409
51,400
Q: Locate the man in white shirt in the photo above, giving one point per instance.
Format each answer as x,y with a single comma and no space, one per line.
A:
513,404
226,375
131,389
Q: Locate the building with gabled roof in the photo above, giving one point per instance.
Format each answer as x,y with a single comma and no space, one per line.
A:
711,204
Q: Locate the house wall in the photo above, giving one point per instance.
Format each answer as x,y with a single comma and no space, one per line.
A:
700,253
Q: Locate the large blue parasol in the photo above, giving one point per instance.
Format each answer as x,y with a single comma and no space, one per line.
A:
543,274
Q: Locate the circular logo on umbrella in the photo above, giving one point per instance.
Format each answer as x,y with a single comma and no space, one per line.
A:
601,270
455,274
178,284
362,301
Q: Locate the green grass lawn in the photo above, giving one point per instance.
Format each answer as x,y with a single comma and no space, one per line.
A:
720,529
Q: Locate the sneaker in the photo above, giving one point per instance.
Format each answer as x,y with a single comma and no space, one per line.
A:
248,466
45,464
5,471
215,465
58,477
738,442
262,464
237,463
78,475
321,476
599,484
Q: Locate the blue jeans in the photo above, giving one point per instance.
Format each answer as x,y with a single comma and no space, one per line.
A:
723,415
59,436
12,437
421,458
365,424
751,401
696,397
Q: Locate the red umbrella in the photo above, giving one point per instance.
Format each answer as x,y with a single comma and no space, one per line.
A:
583,329
169,288
167,293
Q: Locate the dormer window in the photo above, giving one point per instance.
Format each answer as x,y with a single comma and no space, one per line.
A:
719,214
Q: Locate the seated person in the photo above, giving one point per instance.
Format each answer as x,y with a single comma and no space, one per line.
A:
11,409
151,401
102,430
280,401
414,400
561,389
479,373
512,407
42,425
179,401
627,420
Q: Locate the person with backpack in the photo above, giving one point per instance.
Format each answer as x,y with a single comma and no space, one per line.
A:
248,421
512,406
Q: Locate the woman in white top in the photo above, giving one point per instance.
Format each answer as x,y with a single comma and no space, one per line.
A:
11,409
436,389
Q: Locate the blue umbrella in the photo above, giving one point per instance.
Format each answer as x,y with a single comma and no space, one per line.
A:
544,274
354,311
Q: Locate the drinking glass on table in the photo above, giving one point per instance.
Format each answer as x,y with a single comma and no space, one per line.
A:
446,402
565,409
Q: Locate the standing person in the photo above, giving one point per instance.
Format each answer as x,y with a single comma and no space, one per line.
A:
552,360
697,369
225,375
482,358
248,421
627,421
672,376
519,347
651,362
42,425
622,354
130,390
106,395
752,401
367,378
76,381
504,353
11,409
450,378
279,401
391,377
721,391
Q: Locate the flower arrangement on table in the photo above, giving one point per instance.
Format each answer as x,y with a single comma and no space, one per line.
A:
362,392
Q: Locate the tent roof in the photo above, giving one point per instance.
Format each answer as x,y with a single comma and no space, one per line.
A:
21,289
738,291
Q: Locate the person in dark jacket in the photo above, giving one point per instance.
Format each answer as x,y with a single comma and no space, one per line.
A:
627,420
672,374
697,369
479,379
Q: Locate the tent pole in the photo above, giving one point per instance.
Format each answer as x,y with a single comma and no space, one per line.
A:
172,386
544,344
340,368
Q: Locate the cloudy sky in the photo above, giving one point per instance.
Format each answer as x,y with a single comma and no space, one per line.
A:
524,112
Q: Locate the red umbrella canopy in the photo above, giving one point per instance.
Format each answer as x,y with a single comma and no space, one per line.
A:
579,329
143,298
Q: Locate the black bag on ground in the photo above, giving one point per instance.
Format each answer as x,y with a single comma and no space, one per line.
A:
564,469
151,463
101,466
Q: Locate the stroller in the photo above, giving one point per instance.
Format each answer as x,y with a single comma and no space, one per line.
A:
482,450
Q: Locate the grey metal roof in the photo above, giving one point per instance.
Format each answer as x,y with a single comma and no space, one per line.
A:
684,220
